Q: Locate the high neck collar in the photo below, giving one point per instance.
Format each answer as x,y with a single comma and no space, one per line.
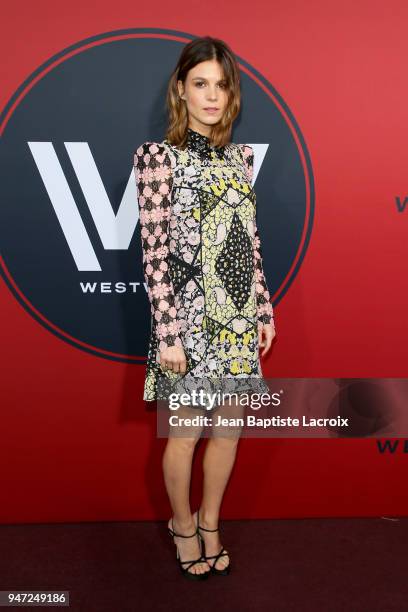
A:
201,144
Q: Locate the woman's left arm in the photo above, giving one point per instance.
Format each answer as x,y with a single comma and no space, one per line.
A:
263,298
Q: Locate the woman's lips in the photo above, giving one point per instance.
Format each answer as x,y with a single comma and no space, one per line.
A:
211,110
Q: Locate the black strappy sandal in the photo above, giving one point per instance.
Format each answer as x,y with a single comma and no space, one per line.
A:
185,570
223,553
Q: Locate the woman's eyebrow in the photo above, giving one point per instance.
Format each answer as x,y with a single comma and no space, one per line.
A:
204,79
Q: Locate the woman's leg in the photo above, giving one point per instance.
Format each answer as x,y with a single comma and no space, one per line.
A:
218,461
177,462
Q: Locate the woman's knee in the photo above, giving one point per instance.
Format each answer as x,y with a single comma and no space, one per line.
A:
227,442
183,444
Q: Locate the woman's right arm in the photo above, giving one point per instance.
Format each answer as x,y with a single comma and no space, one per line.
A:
152,168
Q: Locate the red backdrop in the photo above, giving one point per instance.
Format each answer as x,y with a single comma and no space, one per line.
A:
77,441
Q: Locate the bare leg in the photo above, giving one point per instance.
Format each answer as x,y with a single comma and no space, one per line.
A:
177,462
218,461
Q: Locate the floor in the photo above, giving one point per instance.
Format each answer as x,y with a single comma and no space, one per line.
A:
353,565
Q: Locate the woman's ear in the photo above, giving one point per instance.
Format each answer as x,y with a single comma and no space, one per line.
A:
180,88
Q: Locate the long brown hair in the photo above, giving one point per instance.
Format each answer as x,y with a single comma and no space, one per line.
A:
196,51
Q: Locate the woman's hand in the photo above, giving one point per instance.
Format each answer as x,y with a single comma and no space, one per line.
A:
173,358
266,333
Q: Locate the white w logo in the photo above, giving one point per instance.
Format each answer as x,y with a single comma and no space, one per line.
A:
115,231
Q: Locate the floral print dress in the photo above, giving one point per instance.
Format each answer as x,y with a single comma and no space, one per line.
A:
202,260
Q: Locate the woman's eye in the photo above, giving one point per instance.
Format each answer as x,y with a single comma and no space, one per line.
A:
222,85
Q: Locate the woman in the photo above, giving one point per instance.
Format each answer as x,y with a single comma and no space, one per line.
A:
202,262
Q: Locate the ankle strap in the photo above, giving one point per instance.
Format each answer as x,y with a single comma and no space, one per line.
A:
204,529
179,535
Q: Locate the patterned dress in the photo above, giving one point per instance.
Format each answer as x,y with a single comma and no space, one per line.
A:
202,260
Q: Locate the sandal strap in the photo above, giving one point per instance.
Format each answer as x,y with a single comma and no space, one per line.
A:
204,529
199,526
222,553
191,562
179,535
200,560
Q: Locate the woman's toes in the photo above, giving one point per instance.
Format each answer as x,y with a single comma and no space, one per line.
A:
222,562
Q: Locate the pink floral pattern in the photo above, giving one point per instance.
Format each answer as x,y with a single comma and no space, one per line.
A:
152,168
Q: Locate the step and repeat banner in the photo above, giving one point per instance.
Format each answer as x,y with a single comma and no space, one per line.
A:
324,91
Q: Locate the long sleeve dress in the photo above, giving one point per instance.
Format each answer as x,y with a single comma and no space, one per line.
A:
202,260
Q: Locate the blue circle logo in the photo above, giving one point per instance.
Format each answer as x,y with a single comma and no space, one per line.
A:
69,232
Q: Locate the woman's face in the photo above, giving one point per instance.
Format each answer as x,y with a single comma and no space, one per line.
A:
206,95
